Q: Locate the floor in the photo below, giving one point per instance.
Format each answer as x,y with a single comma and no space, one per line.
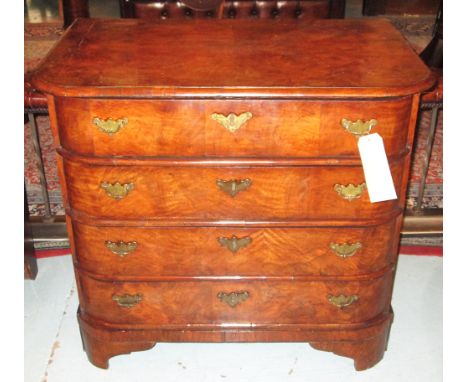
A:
53,349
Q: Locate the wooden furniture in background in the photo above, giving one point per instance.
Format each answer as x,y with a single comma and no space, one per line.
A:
226,201
73,9
432,55
30,262
47,227
399,7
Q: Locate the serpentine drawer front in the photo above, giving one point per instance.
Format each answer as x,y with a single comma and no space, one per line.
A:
255,302
253,193
138,252
213,185
232,129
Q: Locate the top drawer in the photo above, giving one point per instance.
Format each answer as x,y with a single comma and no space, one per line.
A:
227,128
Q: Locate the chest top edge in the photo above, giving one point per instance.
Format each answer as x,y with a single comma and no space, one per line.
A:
329,58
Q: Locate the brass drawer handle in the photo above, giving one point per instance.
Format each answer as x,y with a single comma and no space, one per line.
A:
117,191
350,191
234,243
233,186
110,126
232,122
120,247
233,298
359,127
345,250
127,300
342,301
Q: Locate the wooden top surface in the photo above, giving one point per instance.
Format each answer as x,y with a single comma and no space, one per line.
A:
248,58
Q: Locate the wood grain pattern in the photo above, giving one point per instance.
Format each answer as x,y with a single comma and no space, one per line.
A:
186,129
197,252
99,351
270,302
179,283
366,353
207,58
181,193
338,338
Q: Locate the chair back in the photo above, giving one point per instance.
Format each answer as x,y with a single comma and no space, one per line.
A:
192,9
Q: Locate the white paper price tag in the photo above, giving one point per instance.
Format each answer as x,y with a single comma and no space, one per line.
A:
376,169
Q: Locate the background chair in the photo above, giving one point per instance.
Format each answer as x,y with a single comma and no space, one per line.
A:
188,9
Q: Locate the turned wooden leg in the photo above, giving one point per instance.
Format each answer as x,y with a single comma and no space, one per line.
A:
366,353
99,352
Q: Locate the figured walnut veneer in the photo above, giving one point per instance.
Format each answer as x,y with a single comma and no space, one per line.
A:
212,182
277,129
192,193
196,251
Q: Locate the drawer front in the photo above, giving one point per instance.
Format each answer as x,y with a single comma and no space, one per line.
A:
236,302
210,251
188,128
207,193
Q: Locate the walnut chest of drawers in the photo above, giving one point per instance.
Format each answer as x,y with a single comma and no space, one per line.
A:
212,182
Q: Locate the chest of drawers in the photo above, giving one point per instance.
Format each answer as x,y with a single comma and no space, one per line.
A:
212,181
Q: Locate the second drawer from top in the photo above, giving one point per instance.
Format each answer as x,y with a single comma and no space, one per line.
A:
209,193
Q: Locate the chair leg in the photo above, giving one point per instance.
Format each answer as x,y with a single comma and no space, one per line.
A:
40,166
30,262
427,156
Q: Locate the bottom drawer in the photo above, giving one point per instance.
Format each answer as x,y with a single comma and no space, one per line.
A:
237,302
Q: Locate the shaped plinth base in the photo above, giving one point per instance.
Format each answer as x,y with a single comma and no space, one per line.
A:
100,350
365,343
365,353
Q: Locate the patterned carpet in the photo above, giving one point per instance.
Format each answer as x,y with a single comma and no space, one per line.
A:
39,38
